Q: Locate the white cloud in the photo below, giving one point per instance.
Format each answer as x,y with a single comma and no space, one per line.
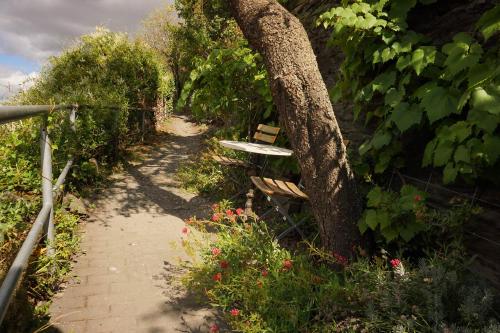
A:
12,81
36,29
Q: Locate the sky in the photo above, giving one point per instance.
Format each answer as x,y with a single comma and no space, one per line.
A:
33,30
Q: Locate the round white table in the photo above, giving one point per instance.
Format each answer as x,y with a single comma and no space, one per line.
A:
256,148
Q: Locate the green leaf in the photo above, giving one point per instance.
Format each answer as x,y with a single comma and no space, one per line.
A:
384,220
492,148
399,10
449,173
487,99
422,57
429,152
483,120
405,116
437,101
409,231
380,139
375,197
387,54
362,226
403,62
489,23
443,153
371,218
389,234
461,55
462,154
383,161
393,97
384,81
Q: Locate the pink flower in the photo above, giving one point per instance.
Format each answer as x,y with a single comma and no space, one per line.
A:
214,328
217,277
215,206
224,264
395,263
215,217
340,259
287,265
240,211
234,312
264,273
229,212
185,230
216,251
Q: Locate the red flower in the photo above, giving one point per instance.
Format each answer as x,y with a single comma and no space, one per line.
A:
214,328
234,312
395,263
224,264
287,265
215,217
240,211
185,230
216,251
217,277
417,198
264,273
229,212
340,259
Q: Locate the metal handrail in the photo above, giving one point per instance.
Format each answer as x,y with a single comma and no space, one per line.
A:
45,219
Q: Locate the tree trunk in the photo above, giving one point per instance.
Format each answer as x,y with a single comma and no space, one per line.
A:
306,112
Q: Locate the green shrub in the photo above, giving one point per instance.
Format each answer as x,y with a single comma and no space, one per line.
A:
262,287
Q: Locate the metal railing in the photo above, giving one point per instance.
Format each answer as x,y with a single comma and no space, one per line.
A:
44,222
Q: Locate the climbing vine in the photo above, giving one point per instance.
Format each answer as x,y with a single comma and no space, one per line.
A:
445,96
431,103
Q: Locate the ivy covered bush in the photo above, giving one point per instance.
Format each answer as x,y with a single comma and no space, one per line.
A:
433,103
413,88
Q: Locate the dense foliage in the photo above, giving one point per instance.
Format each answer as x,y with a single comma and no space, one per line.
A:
225,81
257,283
447,95
433,105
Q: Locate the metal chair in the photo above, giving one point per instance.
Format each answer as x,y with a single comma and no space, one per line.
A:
263,134
273,188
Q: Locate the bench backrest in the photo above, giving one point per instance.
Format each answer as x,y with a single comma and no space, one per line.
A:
266,133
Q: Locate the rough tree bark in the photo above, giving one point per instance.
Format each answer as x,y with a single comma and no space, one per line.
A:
306,112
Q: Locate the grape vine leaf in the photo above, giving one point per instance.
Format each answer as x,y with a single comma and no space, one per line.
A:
461,54
489,23
443,153
437,101
405,116
422,57
487,99
450,173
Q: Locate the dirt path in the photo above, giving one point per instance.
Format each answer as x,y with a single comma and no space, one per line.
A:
122,281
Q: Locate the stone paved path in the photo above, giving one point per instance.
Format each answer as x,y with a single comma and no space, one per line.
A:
123,280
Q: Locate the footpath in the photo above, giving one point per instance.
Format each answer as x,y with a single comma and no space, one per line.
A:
124,279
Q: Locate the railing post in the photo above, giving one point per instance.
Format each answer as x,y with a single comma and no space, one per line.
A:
46,159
